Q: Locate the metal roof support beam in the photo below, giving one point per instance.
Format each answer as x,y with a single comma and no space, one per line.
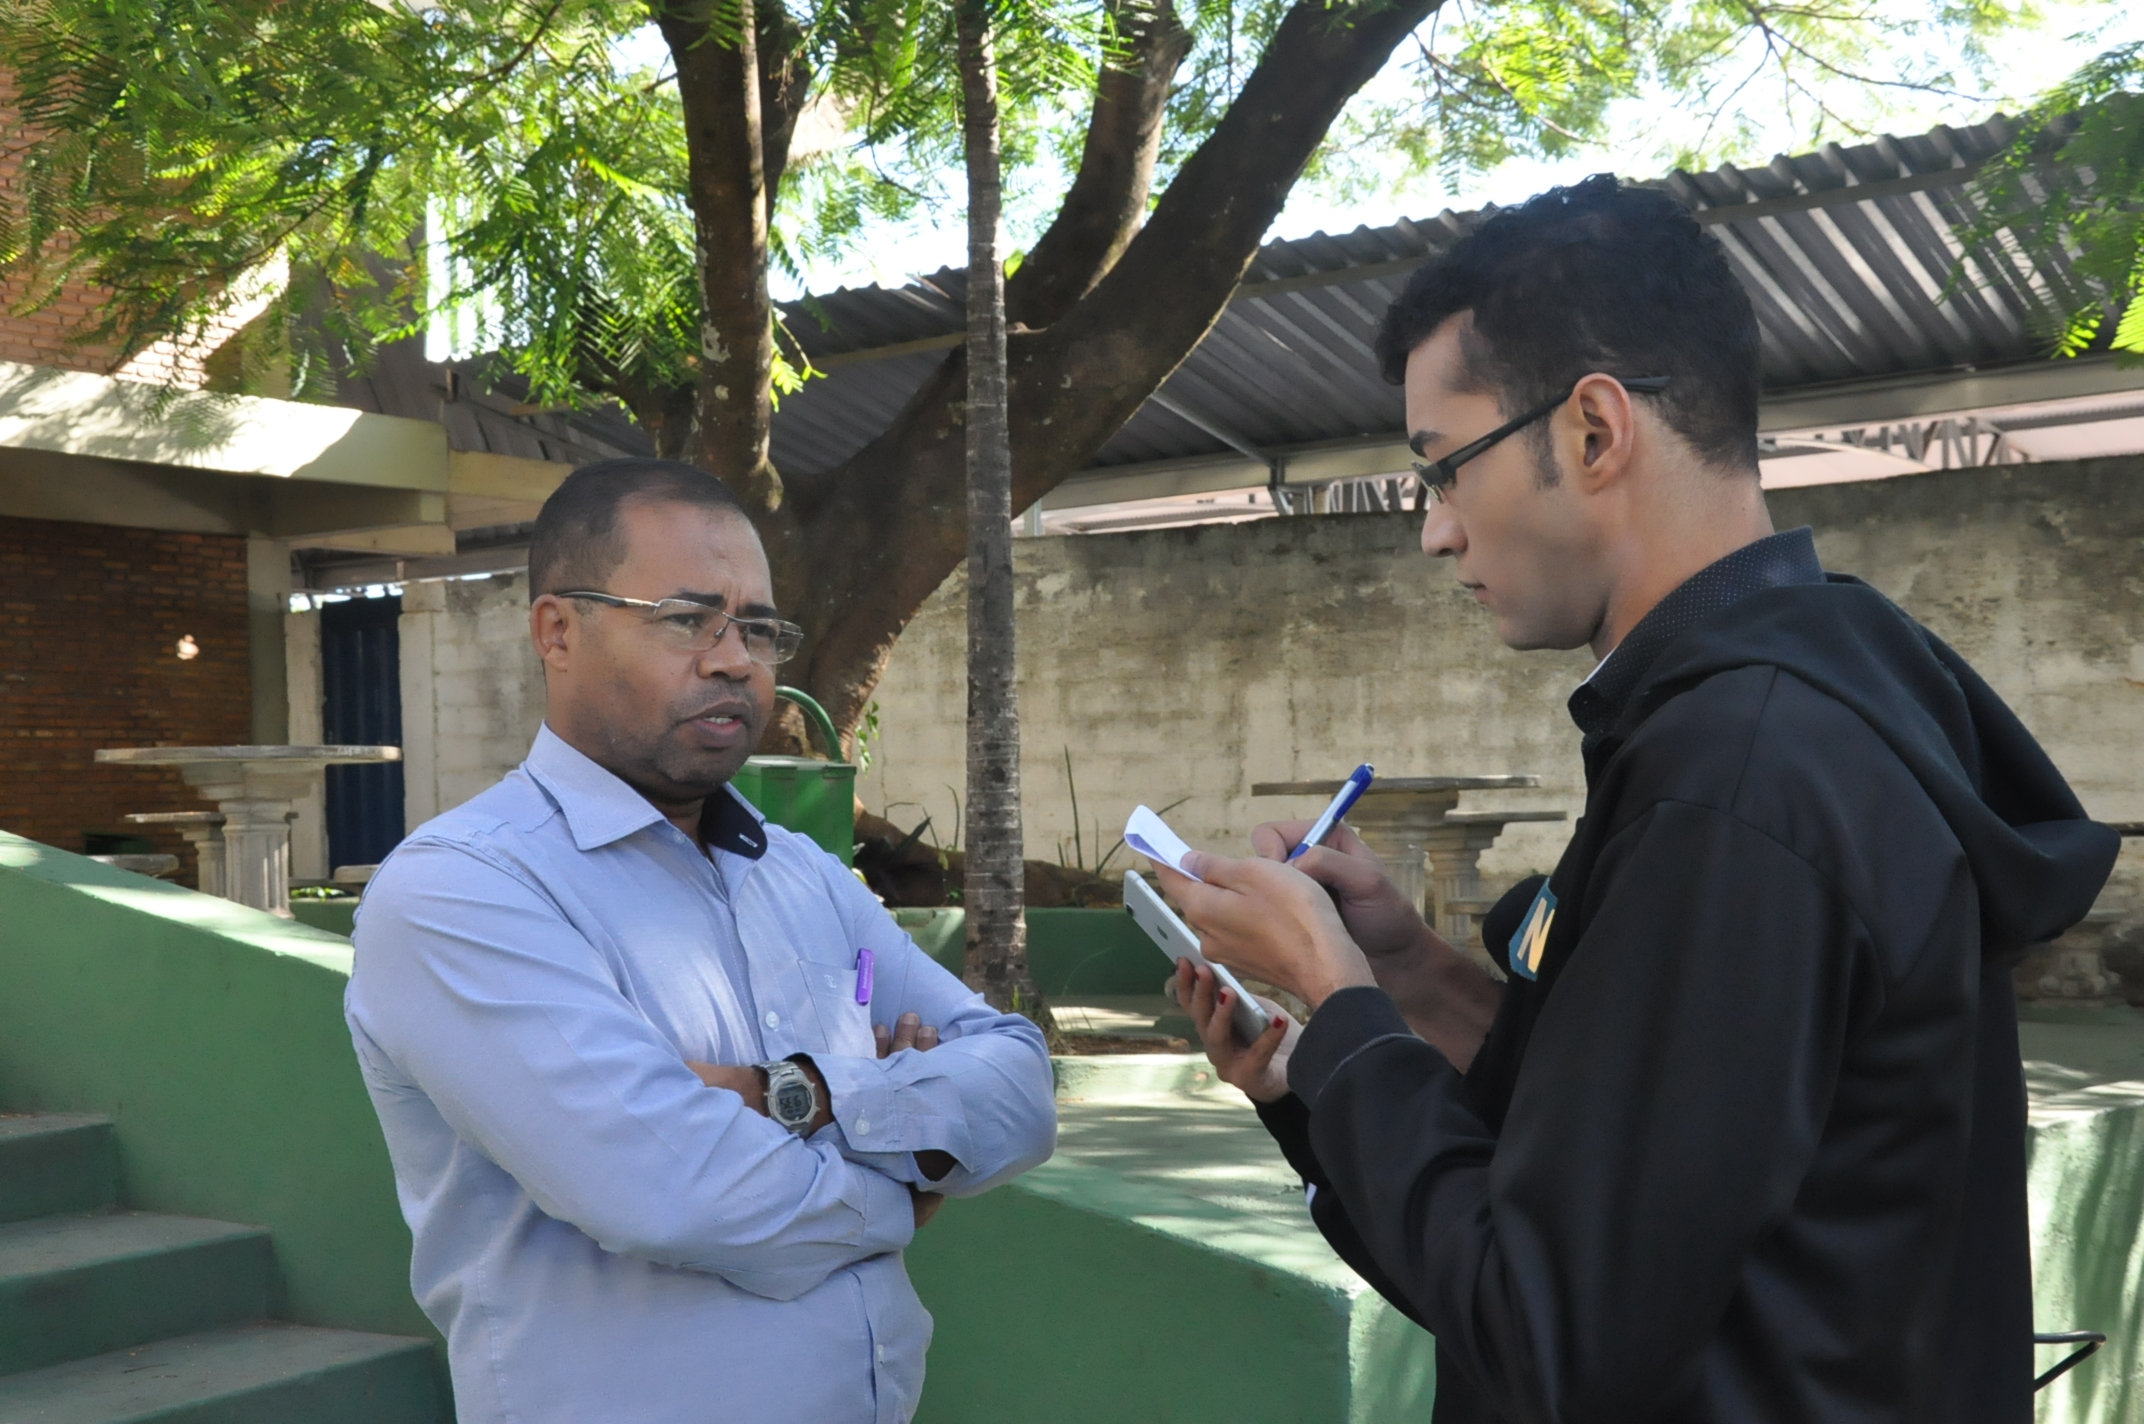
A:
1276,469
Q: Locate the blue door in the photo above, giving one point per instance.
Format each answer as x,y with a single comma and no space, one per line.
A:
361,677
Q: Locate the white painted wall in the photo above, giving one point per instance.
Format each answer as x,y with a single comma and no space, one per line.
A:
308,705
1194,662
472,690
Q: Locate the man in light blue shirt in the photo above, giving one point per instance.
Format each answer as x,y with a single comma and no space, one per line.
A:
572,992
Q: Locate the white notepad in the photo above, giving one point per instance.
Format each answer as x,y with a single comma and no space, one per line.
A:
1149,835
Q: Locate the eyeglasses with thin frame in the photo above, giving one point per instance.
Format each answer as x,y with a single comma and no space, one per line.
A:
694,627
1437,475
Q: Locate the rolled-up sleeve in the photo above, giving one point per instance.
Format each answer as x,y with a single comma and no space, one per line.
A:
472,983
985,1096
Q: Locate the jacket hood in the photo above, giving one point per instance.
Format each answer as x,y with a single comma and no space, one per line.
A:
2036,859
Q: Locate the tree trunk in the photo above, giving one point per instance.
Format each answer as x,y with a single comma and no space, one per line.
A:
1121,296
718,84
995,870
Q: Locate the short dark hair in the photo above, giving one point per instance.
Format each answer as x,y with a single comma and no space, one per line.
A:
577,543
1596,277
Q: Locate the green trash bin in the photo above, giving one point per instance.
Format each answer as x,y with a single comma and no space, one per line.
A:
813,798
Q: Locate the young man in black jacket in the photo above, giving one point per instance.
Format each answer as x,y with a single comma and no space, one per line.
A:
1742,1136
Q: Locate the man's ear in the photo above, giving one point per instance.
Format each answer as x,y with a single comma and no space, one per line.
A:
552,629
1603,431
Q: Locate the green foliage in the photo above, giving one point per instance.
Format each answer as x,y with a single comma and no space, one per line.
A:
2072,179
868,732
175,146
497,162
1541,78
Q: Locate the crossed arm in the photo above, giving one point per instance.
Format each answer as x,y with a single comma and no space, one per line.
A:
909,1032
481,1007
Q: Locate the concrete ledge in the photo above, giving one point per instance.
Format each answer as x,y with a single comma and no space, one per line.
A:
76,413
212,1037
2085,1072
1162,1267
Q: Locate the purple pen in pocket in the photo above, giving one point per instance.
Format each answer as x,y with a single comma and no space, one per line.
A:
864,960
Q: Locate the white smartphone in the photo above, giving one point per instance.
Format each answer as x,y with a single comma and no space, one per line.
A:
1152,913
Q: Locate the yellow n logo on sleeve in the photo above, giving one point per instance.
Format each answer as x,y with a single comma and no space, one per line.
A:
1530,942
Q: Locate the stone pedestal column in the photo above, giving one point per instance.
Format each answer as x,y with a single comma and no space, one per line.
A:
255,788
1454,849
256,838
1400,829
203,831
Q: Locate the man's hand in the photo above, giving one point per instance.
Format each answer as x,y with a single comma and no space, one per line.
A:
751,1085
1269,921
1259,1070
910,1032
745,1082
1378,917
1445,997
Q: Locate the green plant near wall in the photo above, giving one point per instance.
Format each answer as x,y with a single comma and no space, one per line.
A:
1078,846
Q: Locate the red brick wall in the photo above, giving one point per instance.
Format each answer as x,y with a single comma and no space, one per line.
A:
44,337
90,620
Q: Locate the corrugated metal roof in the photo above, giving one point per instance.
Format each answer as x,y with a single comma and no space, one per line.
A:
1846,253
486,414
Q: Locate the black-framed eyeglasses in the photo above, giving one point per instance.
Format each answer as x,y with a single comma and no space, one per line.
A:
694,627
1437,475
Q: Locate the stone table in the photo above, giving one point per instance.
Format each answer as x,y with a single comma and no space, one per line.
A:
1431,849
203,831
256,789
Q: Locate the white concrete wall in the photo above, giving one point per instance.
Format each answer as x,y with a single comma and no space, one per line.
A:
472,690
1194,662
308,710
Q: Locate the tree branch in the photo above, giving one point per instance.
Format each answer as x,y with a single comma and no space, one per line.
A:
784,88
719,87
893,518
1107,202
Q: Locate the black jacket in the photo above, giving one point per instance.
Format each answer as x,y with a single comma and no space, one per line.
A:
1752,1146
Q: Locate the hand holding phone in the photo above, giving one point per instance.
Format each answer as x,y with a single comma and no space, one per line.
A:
1259,1069
1175,939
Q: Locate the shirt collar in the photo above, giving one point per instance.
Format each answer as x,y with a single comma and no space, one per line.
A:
1784,558
600,809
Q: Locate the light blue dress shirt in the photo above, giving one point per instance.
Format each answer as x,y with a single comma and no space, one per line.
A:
599,1236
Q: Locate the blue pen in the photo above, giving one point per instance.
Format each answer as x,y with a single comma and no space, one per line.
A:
1350,792
866,961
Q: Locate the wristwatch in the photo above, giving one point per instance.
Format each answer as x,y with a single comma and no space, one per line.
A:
792,1098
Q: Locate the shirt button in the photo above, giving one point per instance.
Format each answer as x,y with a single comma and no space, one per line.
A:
882,1354
863,1126
774,1020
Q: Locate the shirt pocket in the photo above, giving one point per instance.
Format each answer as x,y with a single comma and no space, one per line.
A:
846,1023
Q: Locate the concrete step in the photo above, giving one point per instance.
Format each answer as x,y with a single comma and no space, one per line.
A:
253,1374
55,1162
76,1286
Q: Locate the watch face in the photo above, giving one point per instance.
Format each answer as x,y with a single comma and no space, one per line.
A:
792,1102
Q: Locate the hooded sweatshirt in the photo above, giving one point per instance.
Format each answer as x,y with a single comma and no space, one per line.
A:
1750,1142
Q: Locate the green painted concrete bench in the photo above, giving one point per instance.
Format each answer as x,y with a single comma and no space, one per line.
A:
1162,1267
1075,952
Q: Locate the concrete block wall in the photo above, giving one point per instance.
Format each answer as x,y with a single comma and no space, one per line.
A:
472,690
90,621
1194,662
